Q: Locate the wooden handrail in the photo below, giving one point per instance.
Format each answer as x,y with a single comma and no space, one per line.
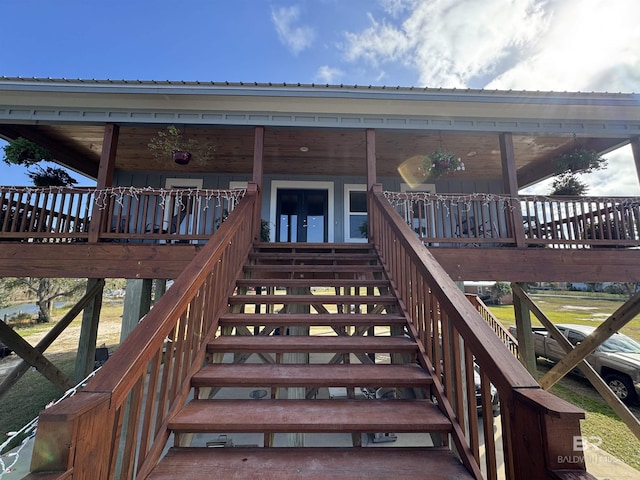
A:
455,340
147,378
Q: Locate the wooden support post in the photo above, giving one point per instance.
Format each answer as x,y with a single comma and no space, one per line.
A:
258,172
85,358
105,176
159,289
635,148
524,332
19,345
510,179
299,393
137,302
371,171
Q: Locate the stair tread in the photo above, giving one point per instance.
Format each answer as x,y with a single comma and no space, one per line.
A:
306,246
311,375
323,256
312,298
312,416
316,319
309,282
314,343
309,463
315,268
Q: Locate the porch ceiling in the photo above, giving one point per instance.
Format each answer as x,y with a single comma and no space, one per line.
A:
330,151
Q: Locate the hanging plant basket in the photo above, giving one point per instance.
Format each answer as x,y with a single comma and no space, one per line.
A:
173,143
579,160
181,157
24,152
440,163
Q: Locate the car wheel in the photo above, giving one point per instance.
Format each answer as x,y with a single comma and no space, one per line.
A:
621,386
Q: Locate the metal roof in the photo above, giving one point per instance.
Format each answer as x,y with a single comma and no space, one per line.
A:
315,86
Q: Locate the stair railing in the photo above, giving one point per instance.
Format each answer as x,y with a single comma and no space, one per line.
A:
500,330
538,431
116,427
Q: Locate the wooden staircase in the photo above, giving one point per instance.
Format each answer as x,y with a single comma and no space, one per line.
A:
307,320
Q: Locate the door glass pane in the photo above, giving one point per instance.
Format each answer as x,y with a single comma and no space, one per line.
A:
357,202
315,228
356,224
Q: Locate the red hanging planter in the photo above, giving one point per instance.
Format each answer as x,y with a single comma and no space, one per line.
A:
181,157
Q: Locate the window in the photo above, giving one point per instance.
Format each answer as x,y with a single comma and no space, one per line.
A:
355,223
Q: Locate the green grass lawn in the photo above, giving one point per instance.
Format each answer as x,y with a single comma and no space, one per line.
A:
581,310
601,421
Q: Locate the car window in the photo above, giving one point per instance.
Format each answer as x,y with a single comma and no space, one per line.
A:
575,337
620,343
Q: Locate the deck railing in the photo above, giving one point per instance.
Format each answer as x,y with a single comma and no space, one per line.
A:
489,220
496,325
116,427
535,430
124,214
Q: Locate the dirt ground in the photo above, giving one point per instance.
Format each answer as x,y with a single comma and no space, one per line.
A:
108,333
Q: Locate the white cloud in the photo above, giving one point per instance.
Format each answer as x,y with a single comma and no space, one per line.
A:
327,74
618,179
591,45
397,7
295,38
452,42
556,45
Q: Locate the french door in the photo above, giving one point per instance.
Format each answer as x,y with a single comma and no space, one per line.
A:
302,215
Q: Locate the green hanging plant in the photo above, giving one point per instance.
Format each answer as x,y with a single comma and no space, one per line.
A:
440,162
579,160
24,152
172,142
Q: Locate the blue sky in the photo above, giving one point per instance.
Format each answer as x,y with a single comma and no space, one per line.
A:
559,45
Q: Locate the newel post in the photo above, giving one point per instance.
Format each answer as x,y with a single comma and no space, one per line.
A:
77,434
374,189
253,189
545,435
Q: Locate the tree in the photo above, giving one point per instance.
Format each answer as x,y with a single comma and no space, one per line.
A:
567,165
501,289
46,291
21,151
568,184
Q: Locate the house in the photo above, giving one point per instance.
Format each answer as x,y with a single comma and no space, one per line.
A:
320,165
